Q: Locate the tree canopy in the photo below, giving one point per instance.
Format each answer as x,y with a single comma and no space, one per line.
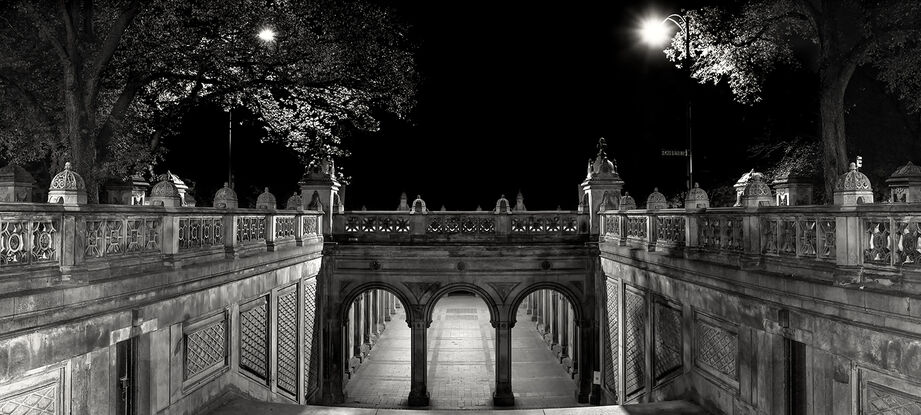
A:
101,82
741,42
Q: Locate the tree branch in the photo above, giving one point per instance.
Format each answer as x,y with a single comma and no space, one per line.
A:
109,46
30,98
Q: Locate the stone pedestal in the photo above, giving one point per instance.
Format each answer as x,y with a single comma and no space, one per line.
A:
905,184
601,178
793,190
16,184
853,188
67,188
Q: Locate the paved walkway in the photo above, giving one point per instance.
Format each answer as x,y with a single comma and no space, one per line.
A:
245,407
461,363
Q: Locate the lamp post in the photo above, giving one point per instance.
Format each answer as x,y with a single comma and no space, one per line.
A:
654,32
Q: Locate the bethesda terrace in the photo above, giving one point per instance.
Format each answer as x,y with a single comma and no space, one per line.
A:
155,304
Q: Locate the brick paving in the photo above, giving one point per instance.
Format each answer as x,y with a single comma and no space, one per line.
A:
461,363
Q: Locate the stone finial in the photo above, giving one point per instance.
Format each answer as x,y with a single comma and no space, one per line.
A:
627,202
757,192
602,167
165,193
905,184
479,208
364,208
740,186
696,198
16,184
519,203
225,198
853,188
294,202
443,208
404,205
266,200
315,202
656,200
418,206
67,188
502,205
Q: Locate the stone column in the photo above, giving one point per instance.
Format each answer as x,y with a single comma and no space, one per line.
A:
587,347
375,312
366,319
388,305
554,318
503,395
564,328
393,304
541,312
528,307
332,377
418,392
533,298
358,330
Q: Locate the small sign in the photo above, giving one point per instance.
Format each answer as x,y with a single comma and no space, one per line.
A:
596,378
674,153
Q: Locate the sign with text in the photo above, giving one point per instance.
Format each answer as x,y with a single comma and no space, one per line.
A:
674,153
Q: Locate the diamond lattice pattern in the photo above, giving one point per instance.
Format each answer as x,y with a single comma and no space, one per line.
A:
634,342
668,340
717,349
287,342
884,402
311,336
611,338
253,340
205,348
38,401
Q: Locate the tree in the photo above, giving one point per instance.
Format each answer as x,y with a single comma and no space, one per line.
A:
100,83
741,43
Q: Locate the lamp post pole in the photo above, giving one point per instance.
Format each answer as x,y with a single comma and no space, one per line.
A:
229,147
687,64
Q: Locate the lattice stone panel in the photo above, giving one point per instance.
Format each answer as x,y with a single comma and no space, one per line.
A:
205,348
611,338
634,342
311,337
254,339
885,401
717,349
668,340
287,342
38,401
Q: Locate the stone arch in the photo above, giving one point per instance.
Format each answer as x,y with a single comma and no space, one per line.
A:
403,296
433,297
574,297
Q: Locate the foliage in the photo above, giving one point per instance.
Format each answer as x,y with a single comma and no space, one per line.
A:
782,158
723,196
741,42
102,82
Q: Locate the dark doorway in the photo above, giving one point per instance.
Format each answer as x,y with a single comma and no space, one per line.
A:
795,358
126,361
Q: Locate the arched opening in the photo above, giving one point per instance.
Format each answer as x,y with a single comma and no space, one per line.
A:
545,350
376,350
461,358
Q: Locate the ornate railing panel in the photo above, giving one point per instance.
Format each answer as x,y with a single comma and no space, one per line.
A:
200,232
250,228
29,240
285,227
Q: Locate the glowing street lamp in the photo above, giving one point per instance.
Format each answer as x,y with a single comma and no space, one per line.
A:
266,35
655,32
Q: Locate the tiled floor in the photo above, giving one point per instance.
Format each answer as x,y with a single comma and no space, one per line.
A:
461,363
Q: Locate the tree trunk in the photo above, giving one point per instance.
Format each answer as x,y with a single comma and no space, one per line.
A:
80,134
831,117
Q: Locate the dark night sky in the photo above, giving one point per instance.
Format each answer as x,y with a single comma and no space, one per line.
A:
514,96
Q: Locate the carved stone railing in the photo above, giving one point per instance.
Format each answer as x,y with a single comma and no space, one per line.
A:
460,226
867,244
41,241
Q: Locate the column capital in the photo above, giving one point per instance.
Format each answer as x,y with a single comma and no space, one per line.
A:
498,324
419,324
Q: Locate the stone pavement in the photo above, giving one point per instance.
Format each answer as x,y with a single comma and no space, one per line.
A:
245,407
461,363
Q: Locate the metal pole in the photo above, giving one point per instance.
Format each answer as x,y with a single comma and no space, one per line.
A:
687,57
229,147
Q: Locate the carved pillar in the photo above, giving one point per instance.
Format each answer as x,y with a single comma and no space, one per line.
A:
375,313
366,319
528,307
393,304
555,318
564,327
533,299
418,392
503,395
358,330
388,301
541,311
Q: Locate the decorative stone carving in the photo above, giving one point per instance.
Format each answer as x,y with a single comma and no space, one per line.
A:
315,203
404,206
627,202
793,190
656,200
266,200
853,188
757,192
418,206
740,186
519,203
16,184
905,184
67,188
185,198
697,198
502,205
165,193
225,197
602,167
294,202
608,202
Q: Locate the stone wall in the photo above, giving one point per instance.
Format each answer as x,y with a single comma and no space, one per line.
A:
171,330
727,336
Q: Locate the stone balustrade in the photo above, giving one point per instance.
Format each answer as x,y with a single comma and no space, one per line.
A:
869,244
40,243
374,226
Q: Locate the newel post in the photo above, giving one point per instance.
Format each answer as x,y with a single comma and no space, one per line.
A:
851,189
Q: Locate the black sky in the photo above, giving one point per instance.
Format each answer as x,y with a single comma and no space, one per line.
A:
514,96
